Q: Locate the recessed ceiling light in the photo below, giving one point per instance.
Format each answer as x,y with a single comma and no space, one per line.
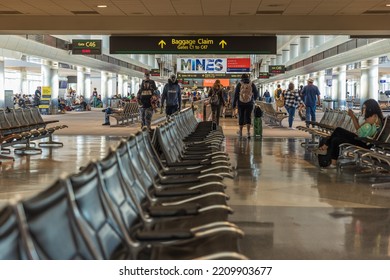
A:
102,6
387,5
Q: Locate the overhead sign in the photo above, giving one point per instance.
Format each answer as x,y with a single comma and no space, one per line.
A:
201,64
86,46
238,64
276,69
263,75
208,76
210,82
193,44
155,72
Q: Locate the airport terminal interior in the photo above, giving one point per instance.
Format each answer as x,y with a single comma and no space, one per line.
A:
287,206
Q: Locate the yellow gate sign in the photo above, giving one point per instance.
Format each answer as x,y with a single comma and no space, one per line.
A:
44,103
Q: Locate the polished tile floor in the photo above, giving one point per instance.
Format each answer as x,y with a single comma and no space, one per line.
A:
288,207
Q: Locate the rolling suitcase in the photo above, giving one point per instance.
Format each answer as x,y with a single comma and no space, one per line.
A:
228,112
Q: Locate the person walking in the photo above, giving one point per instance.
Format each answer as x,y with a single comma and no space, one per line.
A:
172,94
267,96
292,100
216,101
245,95
279,99
144,97
311,98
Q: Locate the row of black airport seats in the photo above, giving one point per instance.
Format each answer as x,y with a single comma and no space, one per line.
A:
372,161
21,127
330,120
270,115
160,198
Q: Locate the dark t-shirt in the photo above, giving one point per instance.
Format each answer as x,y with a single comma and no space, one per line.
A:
145,93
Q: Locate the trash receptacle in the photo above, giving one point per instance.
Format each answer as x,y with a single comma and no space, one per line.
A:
53,110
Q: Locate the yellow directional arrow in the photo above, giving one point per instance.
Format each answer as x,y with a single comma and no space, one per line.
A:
162,43
223,43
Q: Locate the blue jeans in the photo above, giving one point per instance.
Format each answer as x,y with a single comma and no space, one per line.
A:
310,114
146,116
291,114
107,114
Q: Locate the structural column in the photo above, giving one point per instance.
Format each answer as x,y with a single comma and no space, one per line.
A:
2,80
339,85
111,85
144,58
285,56
49,70
104,87
295,80
321,83
304,44
279,59
125,85
120,85
273,61
294,51
87,84
318,40
23,81
135,57
54,81
45,72
369,80
80,90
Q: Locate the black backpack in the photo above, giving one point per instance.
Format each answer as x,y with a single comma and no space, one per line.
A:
324,160
258,112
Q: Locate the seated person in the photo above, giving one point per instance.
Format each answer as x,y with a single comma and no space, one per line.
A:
22,102
373,119
107,112
83,104
61,105
99,103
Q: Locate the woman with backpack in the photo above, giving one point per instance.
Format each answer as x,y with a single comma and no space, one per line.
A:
216,101
245,95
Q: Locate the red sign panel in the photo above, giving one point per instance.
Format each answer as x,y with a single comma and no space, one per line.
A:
238,64
210,82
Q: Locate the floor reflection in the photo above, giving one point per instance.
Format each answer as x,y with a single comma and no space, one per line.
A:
288,207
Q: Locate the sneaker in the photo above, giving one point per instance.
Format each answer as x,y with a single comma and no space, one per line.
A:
106,123
248,136
332,166
291,128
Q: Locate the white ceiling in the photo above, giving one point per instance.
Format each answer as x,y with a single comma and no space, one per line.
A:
194,16
131,8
